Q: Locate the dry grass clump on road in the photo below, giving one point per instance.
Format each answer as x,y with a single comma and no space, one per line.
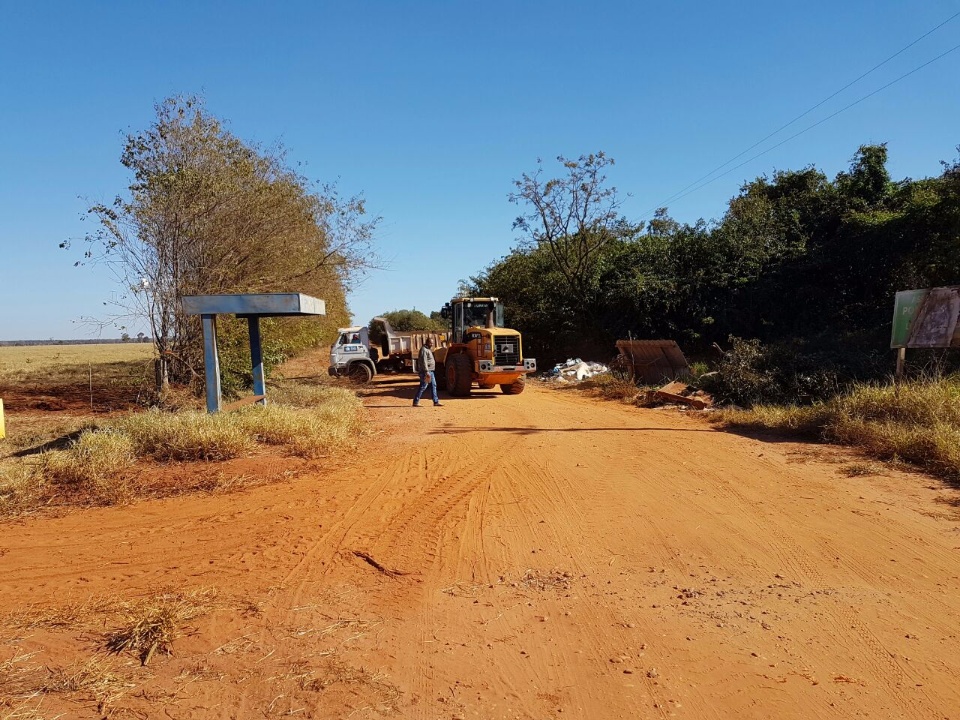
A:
143,627
917,422
151,626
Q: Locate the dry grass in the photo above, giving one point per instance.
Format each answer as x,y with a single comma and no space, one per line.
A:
88,615
861,469
306,431
92,615
97,677
334,671
95,465
144,627
916,422
20,676
808,421
99,465
334,421
189,435
604,386
52,362
305,394
20,488
151,625
24,684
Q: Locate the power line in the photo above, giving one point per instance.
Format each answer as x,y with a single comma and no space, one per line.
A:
682,193
811,127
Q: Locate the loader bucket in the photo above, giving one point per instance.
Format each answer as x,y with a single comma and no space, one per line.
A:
651,362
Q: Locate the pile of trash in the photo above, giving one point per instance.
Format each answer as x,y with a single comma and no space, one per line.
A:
575,370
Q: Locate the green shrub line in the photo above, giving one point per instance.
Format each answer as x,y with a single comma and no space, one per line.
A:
917,422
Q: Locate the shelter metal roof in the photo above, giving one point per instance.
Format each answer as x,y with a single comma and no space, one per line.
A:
254,304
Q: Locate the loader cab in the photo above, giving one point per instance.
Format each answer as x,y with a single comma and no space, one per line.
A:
465,313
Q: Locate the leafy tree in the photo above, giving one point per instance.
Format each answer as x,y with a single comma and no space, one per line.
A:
572,217
207,213
406,320
805,265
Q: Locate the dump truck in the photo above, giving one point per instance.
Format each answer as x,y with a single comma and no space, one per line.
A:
362,352
480,350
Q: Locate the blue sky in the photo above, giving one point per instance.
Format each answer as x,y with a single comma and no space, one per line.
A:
431,109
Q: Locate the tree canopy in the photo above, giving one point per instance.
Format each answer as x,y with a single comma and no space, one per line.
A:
406,320
796,259
208,213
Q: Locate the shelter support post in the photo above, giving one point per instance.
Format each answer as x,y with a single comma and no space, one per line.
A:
251,306
211,362
256,359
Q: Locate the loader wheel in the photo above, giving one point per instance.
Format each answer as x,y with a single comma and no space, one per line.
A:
360,373
440,375
514,388
459,375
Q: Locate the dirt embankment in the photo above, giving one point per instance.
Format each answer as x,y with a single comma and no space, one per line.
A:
537,556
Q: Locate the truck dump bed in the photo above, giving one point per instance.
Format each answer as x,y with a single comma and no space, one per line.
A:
403,343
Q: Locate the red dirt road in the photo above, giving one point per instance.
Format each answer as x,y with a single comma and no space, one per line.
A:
537,556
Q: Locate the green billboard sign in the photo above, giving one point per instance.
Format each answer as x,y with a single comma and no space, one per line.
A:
926,318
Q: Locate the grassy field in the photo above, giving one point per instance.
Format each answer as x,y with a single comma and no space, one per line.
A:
51,361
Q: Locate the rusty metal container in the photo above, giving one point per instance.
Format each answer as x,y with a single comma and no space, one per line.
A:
650,362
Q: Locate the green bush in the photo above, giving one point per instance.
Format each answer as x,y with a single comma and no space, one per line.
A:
751,373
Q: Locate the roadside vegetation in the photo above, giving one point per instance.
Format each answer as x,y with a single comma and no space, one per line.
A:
607,387
104,463
795,280
206,212
86,451
407,320
917,422
788,296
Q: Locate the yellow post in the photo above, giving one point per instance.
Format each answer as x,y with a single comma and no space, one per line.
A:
3,431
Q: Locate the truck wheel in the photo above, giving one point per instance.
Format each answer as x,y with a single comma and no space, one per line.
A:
440,375
360,373
514,388
459,375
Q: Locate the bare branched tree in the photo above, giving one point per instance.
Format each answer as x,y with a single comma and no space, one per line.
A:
573,216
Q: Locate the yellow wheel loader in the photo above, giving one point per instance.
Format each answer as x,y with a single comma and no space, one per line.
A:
480,349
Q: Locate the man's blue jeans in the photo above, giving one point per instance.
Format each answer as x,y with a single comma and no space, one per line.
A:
427,378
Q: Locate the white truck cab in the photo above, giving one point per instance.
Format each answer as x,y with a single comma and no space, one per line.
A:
350,355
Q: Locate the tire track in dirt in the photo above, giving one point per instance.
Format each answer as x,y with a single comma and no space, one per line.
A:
869,649
323,552
414,539
598,628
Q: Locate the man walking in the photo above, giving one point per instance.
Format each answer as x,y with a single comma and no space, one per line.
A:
426,365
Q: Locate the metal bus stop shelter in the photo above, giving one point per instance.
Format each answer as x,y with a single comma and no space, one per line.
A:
251,306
